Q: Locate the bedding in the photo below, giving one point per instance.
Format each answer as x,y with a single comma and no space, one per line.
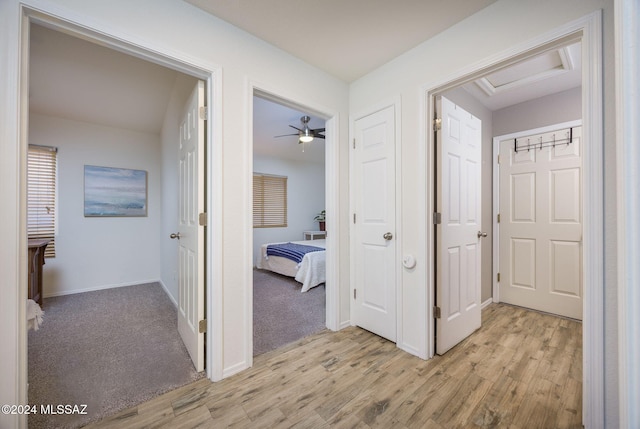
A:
311,268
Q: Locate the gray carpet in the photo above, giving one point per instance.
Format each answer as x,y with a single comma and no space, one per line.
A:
108,349
281,313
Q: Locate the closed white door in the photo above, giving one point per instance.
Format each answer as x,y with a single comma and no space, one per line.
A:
541,222
374,292
191,233
458,234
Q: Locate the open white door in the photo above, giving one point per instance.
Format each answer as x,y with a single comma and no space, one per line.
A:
374,292
190,233
458,234
541,222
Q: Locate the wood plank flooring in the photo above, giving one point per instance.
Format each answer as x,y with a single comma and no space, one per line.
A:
522,369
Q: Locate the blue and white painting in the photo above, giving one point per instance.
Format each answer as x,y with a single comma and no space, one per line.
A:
114,191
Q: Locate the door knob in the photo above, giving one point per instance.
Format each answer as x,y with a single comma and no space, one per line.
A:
387,236
175,235
481,234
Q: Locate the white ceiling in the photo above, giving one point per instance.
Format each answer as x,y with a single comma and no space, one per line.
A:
346,38
79,80
271,119
75,79
548,73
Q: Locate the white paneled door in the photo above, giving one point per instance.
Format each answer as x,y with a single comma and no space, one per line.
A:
541,222
190,233
374,293
458,233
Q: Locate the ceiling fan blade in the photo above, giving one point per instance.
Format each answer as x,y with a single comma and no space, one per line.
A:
285,135
318,130
319,136
296,128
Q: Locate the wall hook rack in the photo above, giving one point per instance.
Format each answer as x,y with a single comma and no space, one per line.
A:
540,145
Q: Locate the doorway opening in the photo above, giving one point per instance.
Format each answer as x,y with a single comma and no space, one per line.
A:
291,257
587,32
540,90
177,72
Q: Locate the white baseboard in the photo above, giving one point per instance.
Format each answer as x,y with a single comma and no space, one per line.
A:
344,324
175,303
486,303
410,349
102,287
234,369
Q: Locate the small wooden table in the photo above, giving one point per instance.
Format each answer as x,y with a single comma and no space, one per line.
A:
35,262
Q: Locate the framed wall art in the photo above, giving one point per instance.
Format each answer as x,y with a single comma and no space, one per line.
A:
112,191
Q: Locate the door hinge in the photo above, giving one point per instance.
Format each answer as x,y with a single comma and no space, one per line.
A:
354,143
437,124
354,293
498,277
436,312
437,218
204,111
202,219
498,217
354,218
202,326
498,159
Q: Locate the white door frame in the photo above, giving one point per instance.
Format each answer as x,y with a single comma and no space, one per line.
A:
332,204
589,30
496,192
627,26
211,74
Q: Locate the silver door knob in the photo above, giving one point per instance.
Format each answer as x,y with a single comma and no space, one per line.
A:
175,235
481,234
387,236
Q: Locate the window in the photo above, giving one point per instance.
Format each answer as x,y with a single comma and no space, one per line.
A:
41,195
269,201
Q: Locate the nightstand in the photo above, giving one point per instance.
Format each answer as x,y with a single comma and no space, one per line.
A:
314,235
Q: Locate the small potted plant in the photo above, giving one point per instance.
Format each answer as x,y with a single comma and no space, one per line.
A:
320,218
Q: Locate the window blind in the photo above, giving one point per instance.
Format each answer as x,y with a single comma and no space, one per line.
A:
269,201
41,195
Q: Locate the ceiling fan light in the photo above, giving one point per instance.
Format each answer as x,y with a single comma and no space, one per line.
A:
306,138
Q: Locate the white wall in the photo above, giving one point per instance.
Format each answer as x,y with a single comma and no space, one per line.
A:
100,145
553,109
170,138
305,198
13,246
181,31
485,35
99,252
243,58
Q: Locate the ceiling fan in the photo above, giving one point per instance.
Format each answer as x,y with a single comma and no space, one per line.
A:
306,134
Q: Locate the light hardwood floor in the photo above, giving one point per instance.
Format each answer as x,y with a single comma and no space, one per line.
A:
522,369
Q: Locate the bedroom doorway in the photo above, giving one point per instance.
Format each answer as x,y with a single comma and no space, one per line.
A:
50,55
289,300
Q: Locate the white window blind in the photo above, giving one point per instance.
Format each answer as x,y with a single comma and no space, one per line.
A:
269,201
41,195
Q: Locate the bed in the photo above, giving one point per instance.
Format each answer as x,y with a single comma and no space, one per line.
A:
310,271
